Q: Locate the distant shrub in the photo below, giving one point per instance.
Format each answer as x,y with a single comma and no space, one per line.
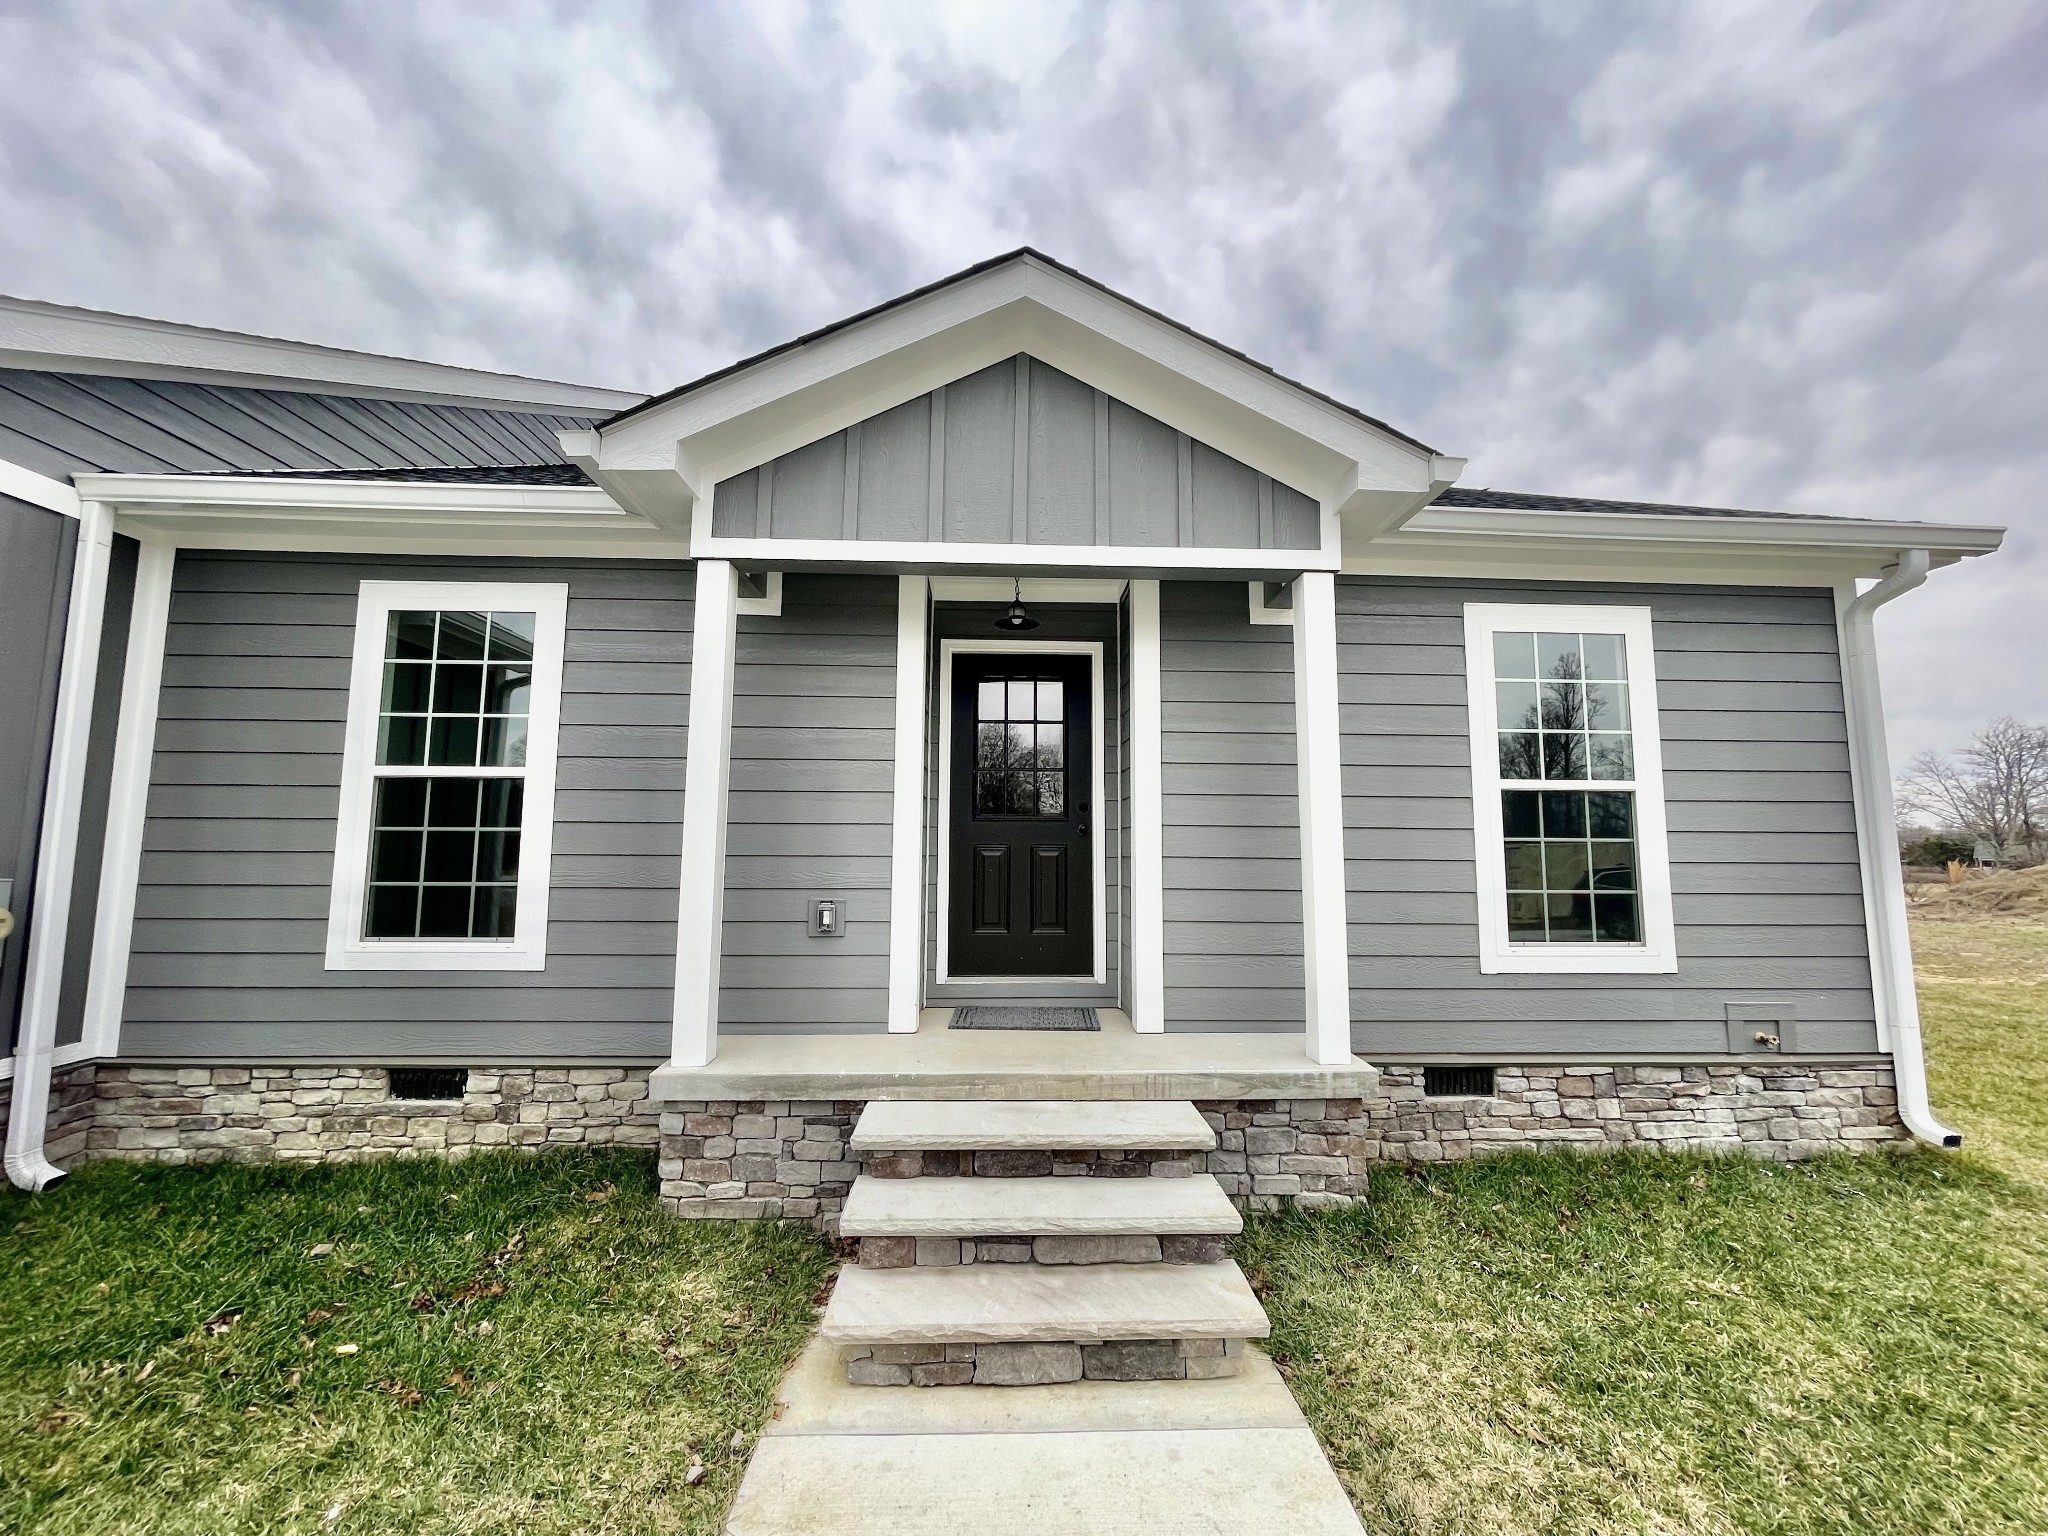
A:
1939,848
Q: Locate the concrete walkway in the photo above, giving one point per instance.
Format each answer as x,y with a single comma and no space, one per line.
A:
1104,1458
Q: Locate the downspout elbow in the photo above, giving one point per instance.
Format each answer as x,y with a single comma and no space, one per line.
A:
1909,1062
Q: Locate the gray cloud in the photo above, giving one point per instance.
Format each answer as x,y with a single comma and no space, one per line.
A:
1779,255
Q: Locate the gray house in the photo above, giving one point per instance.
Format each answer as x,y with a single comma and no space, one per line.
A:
1003,697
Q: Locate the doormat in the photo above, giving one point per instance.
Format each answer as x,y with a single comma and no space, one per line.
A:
1024,1018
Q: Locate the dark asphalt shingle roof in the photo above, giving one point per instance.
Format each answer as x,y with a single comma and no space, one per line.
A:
1459,496
990,265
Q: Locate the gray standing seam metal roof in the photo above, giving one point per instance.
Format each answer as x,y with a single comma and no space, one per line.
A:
59,424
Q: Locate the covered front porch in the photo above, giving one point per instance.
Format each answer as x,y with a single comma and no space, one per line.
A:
937,1062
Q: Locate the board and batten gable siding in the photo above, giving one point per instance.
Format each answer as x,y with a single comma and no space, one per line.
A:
809,811
238,852
1019,453
1231,821
60,423
1766,887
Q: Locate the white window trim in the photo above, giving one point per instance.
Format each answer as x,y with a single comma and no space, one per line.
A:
1659,951
1099,851
347,949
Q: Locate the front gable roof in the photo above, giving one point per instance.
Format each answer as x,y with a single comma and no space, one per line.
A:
663,458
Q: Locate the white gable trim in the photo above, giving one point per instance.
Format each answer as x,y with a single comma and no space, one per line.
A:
664,459
65,339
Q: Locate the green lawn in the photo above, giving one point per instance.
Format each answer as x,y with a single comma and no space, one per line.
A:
1705,1345
1572,1345
503,1344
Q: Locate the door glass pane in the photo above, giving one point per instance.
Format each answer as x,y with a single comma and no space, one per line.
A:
989,701
1020,747
1051,699
1023,700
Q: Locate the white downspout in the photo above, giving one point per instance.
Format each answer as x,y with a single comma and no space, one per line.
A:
57,853
1884,885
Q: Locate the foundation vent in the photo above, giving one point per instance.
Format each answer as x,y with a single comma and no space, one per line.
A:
1458,1082
428,1082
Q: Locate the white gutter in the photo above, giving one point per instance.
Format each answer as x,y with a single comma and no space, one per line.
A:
57,854
1884,886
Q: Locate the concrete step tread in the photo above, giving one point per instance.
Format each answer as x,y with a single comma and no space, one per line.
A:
1025,1303
1049,1207
1205,1482
975,1125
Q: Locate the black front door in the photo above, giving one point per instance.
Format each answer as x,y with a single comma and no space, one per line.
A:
1023,891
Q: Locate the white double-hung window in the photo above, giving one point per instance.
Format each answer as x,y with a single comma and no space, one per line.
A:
446,821
1568,790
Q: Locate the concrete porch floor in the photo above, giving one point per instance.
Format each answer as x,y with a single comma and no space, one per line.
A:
940,1063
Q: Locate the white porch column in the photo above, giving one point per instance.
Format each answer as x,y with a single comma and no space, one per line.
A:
128,798
906,847
57,851
700,919
1326,958
1147,958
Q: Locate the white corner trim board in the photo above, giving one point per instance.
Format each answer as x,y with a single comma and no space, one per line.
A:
1098,844
128,797
707,762
1147,959
1498,954
906,843
347,948
57,852
1319,760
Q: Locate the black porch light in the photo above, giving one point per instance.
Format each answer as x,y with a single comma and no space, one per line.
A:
1018,619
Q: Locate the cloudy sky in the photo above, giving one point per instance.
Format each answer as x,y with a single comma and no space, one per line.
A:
1775,254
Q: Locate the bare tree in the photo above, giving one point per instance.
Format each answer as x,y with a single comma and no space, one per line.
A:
1995,789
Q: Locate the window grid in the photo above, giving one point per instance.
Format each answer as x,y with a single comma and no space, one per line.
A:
1020,747
1562,715
456,692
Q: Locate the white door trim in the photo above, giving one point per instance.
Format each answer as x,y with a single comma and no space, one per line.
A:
1098,843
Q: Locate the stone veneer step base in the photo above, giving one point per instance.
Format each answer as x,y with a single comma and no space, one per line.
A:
1044,1363
1167,1248
1040,1125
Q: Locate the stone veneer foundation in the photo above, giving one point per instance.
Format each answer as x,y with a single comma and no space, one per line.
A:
744,1160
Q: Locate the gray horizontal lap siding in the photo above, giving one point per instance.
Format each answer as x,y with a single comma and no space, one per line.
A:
1767,891
810,809
1018,453
58,424
1232,830
238,853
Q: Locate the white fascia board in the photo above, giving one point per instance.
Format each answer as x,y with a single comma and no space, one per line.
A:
287,513
796,397
37,490
229,493
64,339
855,554
1953,539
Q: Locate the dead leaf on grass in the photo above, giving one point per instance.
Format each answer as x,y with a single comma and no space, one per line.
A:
346,1349
222,1323
460,1381
408,1396
423,1302
59,1416
476,1290
319,1250
318,1315
600,1195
